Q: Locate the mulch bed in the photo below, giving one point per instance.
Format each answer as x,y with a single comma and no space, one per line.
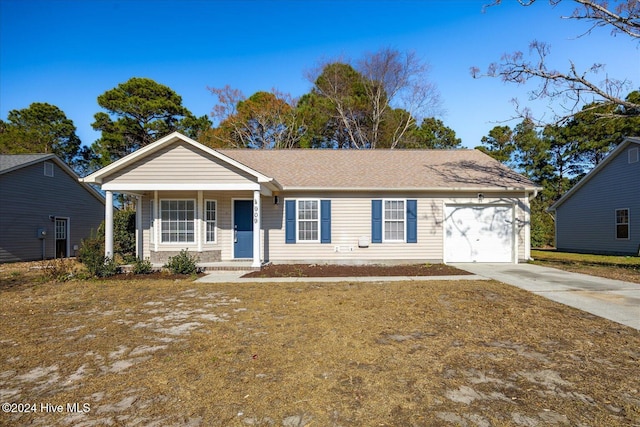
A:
335,270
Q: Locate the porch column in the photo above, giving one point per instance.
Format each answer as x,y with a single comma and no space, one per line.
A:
108,224
139,227
256,229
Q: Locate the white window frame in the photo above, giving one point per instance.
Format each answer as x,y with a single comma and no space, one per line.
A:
298,221
384,221
628,224
152,221
214,222
162,223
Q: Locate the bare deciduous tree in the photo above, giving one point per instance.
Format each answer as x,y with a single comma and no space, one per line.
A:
575,87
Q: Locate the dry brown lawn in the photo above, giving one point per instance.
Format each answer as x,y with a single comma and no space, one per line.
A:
428,353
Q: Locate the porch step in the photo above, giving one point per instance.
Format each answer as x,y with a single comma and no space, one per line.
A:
213,268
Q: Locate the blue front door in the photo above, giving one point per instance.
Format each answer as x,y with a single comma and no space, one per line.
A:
243,229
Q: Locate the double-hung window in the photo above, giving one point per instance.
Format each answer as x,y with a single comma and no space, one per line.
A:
394,220
622,223
177,221
308,220
210,216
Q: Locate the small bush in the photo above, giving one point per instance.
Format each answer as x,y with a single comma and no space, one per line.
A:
109,268
142,266
60,270
183,263
91,254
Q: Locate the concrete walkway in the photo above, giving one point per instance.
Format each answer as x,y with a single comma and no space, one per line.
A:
236,277
611,299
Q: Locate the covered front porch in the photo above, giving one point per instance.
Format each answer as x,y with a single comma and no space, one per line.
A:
221,227
188,197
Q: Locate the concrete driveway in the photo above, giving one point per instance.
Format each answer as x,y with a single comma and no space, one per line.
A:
611,299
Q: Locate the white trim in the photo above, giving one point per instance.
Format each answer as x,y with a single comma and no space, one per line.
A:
413,189
404,220
97,177
182,187
195,209
156,222
139,238
108,225
215,222
318,220
198,217
256,219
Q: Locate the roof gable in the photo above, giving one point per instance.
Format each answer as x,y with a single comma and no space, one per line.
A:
610,157
12,162
99,176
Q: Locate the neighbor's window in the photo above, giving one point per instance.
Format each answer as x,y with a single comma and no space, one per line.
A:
308,220
210,216
394,223
48,169
622,223
177,221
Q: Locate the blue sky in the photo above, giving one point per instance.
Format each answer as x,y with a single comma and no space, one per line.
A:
67,53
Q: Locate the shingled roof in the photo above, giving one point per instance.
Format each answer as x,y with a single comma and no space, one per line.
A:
9,162
382,169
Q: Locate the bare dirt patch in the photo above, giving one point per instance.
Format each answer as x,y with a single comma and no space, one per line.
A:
175,352
338,270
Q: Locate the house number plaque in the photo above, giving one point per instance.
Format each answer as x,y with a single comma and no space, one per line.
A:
255,211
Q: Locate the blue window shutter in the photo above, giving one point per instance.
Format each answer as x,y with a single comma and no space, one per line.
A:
412,221
290,221
325,221
376,221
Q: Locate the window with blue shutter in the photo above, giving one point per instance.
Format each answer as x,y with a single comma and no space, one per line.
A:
412,221
290,221
325,221
376,221
388,219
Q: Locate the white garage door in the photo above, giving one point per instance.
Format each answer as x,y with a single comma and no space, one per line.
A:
478,234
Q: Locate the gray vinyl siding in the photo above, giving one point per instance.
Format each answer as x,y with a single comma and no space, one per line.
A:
28,198
179,163
585,222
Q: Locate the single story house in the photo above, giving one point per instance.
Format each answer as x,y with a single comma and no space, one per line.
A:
320,206
44,211
601,213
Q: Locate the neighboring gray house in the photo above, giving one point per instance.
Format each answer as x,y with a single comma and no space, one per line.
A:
45,211
330,206
601,213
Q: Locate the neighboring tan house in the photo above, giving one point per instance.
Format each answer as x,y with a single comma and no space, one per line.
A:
601,213
322,206
44,211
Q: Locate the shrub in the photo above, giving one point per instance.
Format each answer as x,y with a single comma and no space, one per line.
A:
91,254
60,270
109,268
183,263
142,266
